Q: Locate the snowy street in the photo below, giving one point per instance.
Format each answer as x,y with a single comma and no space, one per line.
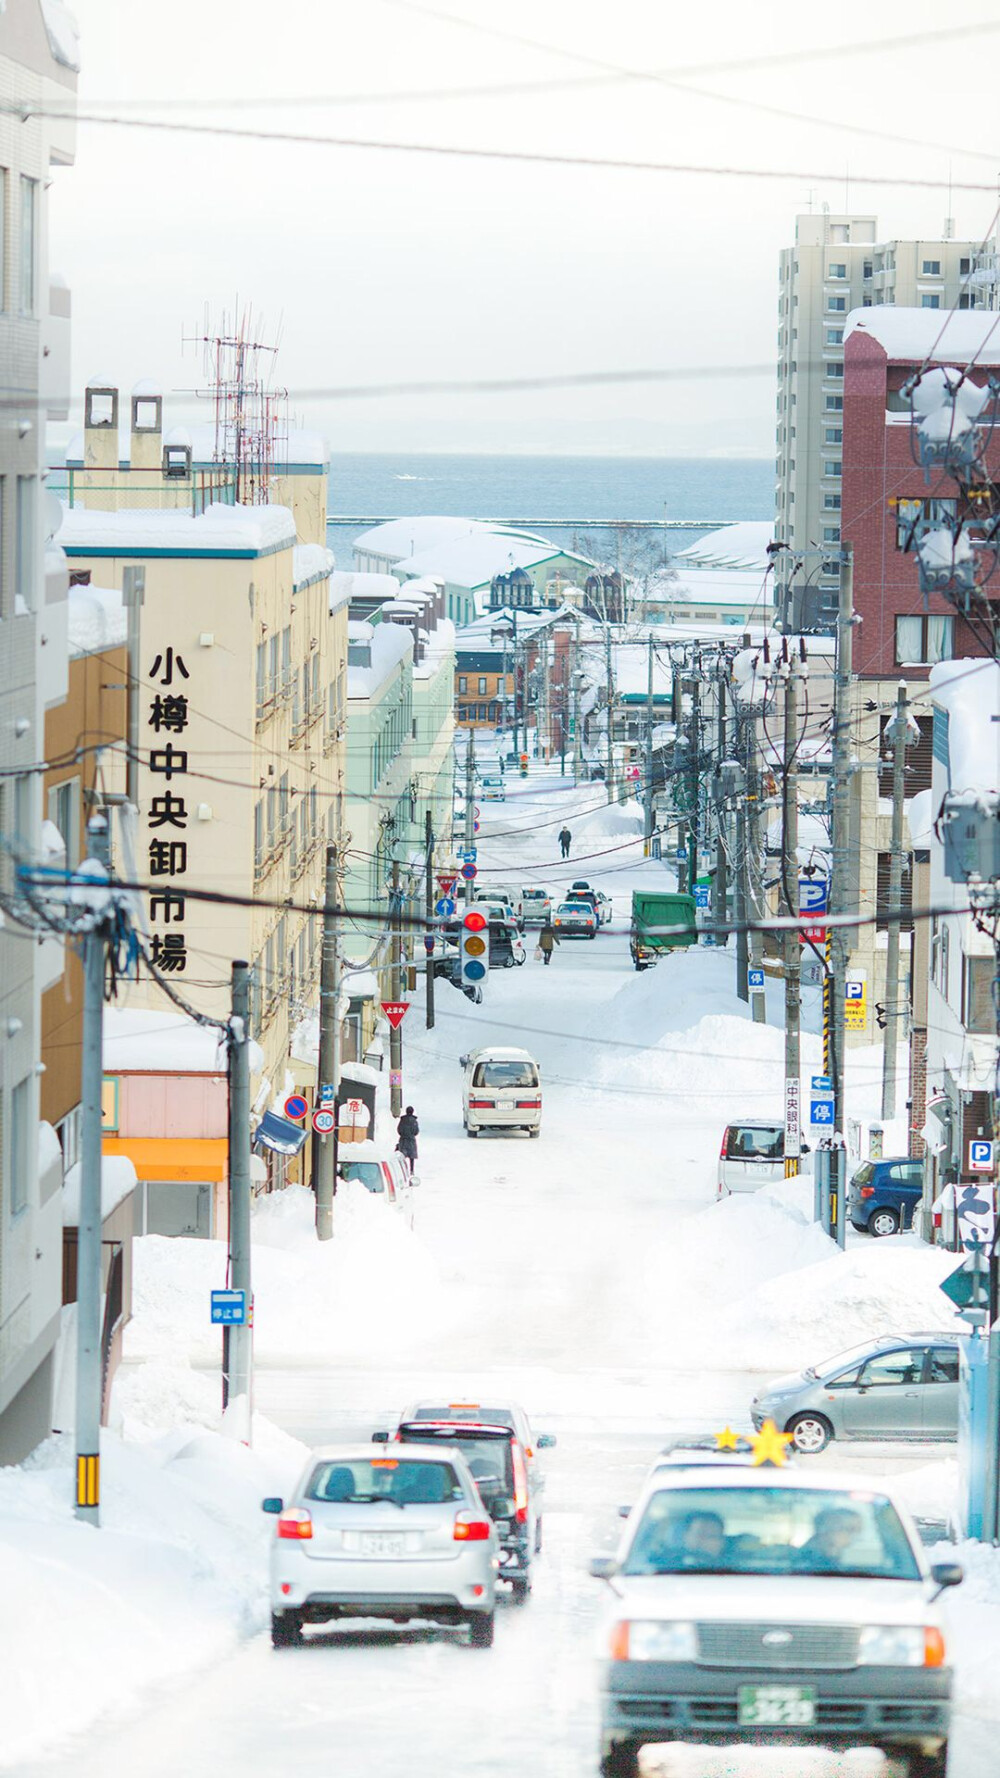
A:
590,1276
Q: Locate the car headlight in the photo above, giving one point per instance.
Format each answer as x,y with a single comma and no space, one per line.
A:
649,1640
900,1645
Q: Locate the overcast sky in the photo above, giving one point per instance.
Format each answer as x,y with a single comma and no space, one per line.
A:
378,266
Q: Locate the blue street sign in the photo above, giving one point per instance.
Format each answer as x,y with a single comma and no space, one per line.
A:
812,895
469,855
469,872
980,1157
755,978
681,854
701,896
327,1092
821,1111
229,1307
821,1083
444,908
854,990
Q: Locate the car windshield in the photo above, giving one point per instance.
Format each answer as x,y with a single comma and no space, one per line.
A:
505,1074
772,1531
369,1172
399,1480
489,1459
843,1360
534,895
744,1142
576,908
458,1410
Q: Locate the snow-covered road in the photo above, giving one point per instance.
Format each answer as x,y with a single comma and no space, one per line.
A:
574,1273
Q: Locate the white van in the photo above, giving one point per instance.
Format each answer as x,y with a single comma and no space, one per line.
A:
502,1090
752,1154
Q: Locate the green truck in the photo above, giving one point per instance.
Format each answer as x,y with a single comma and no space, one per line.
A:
662,921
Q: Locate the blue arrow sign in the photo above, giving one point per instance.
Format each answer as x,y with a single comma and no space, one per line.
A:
821,1083
444,908
469,855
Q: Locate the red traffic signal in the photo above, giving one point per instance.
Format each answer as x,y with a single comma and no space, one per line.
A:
474,921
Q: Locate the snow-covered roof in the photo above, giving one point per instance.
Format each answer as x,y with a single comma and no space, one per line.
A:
96,619
390,644
970,692
311,562
742,588
141,1042
911,335
472,561
63,33
118,1178
347,584
741,545
220,529
399,538
440,646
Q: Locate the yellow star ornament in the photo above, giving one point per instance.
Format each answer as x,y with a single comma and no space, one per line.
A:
727,1440
769,1445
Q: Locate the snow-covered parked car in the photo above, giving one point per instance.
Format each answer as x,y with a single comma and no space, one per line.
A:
381,1171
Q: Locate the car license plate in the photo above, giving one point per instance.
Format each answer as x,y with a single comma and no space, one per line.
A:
777,1706
381,1543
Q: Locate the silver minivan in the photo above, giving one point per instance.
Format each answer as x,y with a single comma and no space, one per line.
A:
752,1154
501,1090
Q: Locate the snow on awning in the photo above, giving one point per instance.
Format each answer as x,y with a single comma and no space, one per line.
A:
279,1134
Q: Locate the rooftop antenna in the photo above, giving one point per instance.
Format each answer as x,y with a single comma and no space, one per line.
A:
250,413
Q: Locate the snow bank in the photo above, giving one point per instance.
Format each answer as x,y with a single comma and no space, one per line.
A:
612,821
311,1299
174,1577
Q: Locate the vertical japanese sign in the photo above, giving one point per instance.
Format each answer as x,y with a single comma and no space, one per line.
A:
167,818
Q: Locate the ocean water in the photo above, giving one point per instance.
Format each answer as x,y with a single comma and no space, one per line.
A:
567,498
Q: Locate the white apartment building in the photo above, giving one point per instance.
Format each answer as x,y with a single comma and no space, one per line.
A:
838,264
37,69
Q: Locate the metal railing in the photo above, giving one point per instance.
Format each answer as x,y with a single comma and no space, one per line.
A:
144,490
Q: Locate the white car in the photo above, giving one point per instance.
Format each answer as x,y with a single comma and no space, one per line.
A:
492,790
537,905
382,1171
752,1154
757,1604
374,1533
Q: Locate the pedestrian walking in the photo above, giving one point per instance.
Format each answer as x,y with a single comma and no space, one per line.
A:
407,1130
564,840
548,938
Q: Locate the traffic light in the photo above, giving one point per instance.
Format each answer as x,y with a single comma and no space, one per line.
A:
523,763
475,948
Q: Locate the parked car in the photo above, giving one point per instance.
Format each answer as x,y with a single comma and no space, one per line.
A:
493,790
760,1604
605,908
507,947
900,1386
884,1194
575,919
510,1414
507,893
537,906
752,1154
381,1171
496,1459
369,1533
501,1090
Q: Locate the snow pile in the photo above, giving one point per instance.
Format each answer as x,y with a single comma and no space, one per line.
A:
973,1626
174,1577
310,1298
612,821
970,692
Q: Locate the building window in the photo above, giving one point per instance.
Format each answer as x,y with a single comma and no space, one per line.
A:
930,302
3,237
915,517
978,1016
25,544
833,370
840,232
482,684
834,336
922,640
833,467
833,435
866,268
836,304
831,502
831,533
964,267
931,268
64,813
463,684
836,271
966,301
482,712
29,231
20,1145
835,404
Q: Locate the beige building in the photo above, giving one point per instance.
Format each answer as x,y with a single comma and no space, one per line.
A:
838,264
242,712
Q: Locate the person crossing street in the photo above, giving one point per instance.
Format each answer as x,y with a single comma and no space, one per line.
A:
565,839
548,938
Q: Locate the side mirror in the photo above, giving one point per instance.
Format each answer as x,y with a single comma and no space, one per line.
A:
380,1438
273,1504
604,1567
623,1512
546,1441
501,1507
947,1574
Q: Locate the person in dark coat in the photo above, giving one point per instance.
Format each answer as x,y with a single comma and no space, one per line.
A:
565,838
408,1130
548,938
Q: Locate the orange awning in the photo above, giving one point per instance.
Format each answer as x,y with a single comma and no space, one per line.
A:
198,1158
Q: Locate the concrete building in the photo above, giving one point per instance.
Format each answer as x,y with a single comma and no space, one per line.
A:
836,265
901,632
723,578
37,69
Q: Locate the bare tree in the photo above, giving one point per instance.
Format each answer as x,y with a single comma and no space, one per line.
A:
637,556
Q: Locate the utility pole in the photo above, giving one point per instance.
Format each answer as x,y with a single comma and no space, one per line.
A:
395,988
840,885
577,739
429,908
89,1366
748,814
648,788
695,763
609,672
238,1344
899,738
789,901
133,597
720,886
324,1148
470,807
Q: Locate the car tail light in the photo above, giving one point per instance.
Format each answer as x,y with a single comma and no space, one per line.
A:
520,1484
296,1522
933,1647
527,1105
469,1529
618,1642
481,1104
725,1140
867,1191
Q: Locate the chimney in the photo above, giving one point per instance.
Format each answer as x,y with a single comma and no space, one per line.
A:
146,451
100,425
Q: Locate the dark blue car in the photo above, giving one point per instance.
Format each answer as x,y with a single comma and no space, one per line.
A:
884,1195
